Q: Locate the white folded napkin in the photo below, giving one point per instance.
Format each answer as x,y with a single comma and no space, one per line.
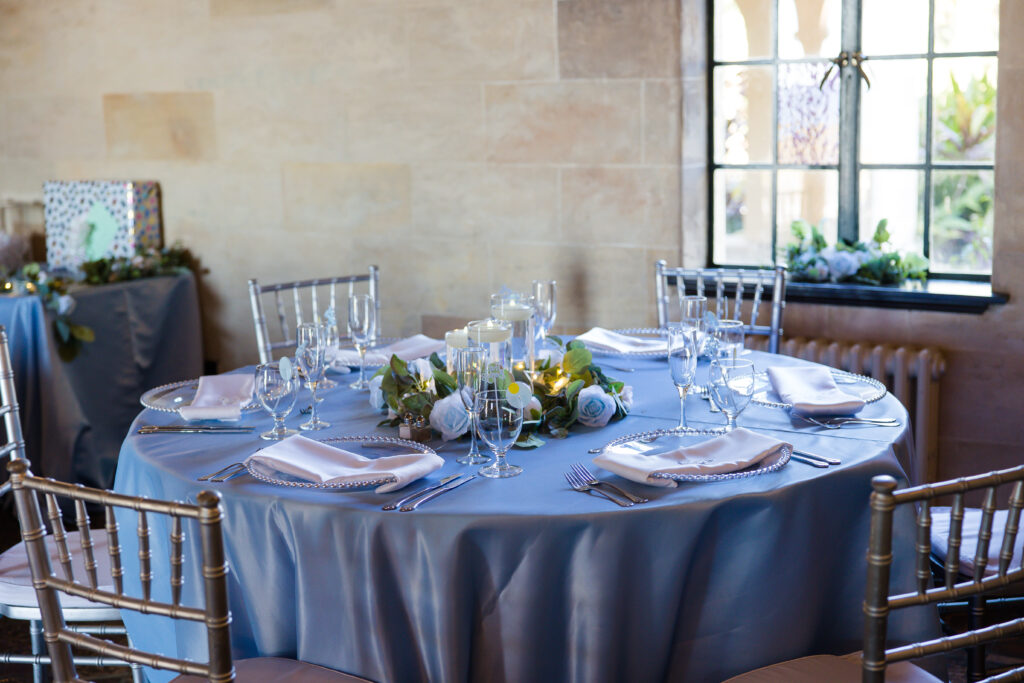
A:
606,340
812,391
417,346
324,464
220,397
731,452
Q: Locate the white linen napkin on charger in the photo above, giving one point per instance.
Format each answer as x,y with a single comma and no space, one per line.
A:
600,338
812,391
417,346
220,397
322,463
731,452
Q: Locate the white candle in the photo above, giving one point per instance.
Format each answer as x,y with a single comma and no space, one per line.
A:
456,339
489,333
512,311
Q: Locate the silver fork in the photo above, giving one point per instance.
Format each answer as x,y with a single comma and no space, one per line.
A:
222,470
588,478
578,485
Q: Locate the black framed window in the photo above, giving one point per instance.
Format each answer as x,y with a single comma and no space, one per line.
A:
845,112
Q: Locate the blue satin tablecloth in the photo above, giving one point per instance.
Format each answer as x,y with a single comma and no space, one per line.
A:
76,414
526,580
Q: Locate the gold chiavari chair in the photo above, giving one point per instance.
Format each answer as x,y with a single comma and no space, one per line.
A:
877,663
718,284
206,514
290,295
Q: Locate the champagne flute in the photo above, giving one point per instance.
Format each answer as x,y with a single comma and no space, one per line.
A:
544,303
682,363
277,385
332,345
693,310
362,323
470,364
309,356
732,386
499,423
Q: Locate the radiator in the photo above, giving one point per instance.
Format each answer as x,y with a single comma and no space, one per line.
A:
911,374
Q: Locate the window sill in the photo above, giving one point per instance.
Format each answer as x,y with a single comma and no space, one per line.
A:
949,296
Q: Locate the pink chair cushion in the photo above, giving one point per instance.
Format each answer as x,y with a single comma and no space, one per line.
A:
278,670
820,668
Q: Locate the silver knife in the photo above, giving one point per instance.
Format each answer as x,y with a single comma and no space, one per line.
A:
197,429
435,494
815,456
417,494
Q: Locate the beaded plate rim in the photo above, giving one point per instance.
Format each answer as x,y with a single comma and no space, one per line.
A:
147,397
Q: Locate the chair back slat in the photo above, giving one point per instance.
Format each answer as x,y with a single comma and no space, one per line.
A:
177,559
720,297
85,538
1012,527
59,537
145,555
9,400
114,551
737,307
956,530
291,294
213,614
924,547
988,511
756,306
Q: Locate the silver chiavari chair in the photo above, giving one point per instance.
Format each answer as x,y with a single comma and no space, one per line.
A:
17,596
214,613
877,661
718,284
289,295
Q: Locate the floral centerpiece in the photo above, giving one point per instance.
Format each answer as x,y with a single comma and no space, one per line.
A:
810,259
568,388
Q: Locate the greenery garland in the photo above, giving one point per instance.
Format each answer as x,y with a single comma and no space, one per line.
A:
810,259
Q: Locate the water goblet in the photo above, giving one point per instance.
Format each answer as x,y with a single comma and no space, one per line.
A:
362,323
693,310
470,364
309,357
682,364
544,305
499,423
732,386
276,387
729,335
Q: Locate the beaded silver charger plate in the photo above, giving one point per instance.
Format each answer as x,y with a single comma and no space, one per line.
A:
647,333
868,389
167,398
772,463
368,446
348,346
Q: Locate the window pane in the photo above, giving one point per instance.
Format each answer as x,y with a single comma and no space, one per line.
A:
812,196
965,109
808,115
809,28
967,25
743,33
743,114
743,217
892,112
962,215
896,195
894,28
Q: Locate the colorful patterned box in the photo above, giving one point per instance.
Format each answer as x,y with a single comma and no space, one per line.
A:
92,219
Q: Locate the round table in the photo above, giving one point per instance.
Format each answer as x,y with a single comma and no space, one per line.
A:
524,579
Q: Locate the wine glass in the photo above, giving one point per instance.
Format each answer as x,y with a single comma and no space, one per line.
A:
470,364
544,304
277,385
693,310
332,345
499,423
362,323
309,357
682,363
732,386
729,334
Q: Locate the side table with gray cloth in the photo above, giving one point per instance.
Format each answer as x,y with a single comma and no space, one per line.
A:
75,415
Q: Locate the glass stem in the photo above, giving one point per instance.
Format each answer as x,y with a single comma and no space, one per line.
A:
362,365
499,459
314,418
279,427
473,449
682,406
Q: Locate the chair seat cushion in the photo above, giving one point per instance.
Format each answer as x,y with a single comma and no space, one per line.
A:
279,670
820,668
16,579
969,539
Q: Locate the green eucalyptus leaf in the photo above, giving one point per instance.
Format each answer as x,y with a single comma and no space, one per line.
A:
417,403
436,361
559,433
571,390
400,367
83,333
576,360
443,379
63,329
529,441
575,344
557,340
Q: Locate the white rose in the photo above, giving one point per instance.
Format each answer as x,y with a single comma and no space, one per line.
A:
423,370
449,416
377,401
594,407
841,263
533,405
626,396
65,304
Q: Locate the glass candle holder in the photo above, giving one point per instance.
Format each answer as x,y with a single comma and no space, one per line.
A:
517,309
495,336
453,341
